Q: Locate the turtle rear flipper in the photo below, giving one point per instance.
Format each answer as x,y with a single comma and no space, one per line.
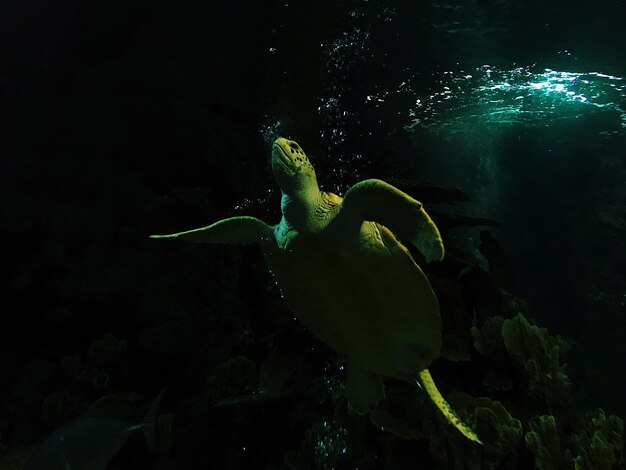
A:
426,381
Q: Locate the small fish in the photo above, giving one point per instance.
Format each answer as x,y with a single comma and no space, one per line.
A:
91,441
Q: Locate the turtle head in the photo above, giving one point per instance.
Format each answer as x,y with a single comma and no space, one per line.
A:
292,170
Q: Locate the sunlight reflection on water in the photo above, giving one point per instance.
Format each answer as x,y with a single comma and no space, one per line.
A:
521,95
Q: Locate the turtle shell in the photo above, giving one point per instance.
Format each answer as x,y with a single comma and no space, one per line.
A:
366,298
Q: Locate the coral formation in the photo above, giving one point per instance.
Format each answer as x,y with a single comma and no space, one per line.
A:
234,378
598,445
556,436
537,355
501,434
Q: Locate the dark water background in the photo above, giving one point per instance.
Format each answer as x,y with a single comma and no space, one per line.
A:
121,119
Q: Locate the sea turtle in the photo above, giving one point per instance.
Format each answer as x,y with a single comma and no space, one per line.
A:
347,277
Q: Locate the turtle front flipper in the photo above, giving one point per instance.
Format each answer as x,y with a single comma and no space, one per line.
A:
241,230
377,201
426,381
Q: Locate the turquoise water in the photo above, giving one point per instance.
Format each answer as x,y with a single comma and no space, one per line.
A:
473,120
525,96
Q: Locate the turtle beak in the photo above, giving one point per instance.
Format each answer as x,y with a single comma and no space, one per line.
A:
278,152
281,162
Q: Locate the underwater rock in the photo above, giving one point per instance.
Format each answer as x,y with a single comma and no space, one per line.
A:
36,373
499,262
97,365
15,459
56,316
467,295
26,395
101,381
611,219
71,365
173,337
106,350
91,441
455,347
58,407
481,294
455,318
276,372
234,378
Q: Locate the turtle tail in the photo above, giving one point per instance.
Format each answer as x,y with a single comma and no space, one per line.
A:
426,381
